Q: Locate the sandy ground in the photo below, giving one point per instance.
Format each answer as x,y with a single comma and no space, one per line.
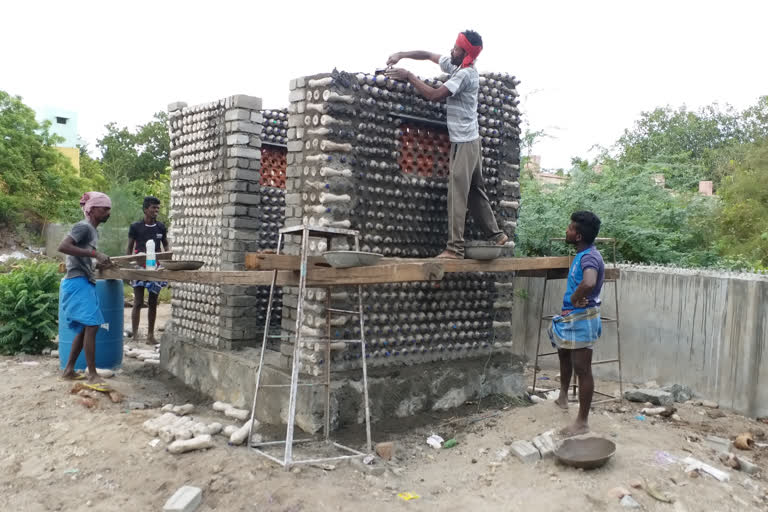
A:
58,455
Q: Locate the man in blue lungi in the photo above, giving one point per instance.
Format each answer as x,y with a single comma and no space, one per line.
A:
574,332
78,289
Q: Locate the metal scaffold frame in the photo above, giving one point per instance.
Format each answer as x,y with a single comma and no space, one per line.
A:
288,458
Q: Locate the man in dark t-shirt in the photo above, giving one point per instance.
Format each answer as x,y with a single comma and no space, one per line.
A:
148,228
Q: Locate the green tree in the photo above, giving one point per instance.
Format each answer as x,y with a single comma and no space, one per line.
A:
651,224
136,155
709,138
743,224
36,181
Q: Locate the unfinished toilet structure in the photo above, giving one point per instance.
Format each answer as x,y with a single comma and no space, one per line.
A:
351,151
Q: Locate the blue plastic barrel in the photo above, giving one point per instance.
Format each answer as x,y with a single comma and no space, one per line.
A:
109,337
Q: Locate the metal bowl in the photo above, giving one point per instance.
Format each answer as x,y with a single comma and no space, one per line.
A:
181,265
346,259
483,252
585,452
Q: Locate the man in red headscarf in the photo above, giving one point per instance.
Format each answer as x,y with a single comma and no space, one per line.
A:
465,183
79,303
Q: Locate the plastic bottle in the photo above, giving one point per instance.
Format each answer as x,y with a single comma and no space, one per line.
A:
151,258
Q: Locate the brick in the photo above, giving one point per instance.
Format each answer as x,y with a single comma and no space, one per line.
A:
545,444
255,165
245,323
245,101
185,499
255,213
301,107
237,114
299,132
255,141
525,451
295,145
292,84
292,108
238,138
296,95
254,187
301,82
291,133
292,199
241,152
231,311
233,245
289,158
248,199
292,171
257,117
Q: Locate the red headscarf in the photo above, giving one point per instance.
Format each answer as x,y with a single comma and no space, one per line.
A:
94,199
472,51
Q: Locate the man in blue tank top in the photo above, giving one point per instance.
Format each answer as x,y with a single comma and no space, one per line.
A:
574,332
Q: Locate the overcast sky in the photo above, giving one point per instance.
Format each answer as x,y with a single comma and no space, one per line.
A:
587,68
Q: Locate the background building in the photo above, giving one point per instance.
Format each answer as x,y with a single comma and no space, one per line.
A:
64,124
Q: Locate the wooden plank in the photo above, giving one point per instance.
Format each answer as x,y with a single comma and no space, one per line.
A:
315,277
266,261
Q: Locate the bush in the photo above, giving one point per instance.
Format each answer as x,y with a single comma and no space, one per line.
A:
29,302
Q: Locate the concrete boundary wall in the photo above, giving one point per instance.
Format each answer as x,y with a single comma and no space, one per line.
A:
704,329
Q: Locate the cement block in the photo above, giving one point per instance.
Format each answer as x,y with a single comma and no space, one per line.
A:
655,396
233,211
545,444
245,101
241,152
238,138
292,84
295,145
176,105
237,114
244,126
301,82
296,95
257,117
247,199
255,141
525,451
719,444
236,185
185,499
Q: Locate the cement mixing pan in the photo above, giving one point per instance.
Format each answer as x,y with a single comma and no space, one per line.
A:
346,259
585,452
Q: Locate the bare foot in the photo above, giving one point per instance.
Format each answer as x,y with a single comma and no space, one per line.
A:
574,429
71,375
503,239
151,340
94,378
450,255
562,401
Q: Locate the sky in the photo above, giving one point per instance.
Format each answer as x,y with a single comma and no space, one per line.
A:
588,68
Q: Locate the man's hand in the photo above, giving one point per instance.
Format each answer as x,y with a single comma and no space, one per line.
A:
102,260
398,74
394,59
579,303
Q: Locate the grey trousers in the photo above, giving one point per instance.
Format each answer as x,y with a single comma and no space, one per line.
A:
466,189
